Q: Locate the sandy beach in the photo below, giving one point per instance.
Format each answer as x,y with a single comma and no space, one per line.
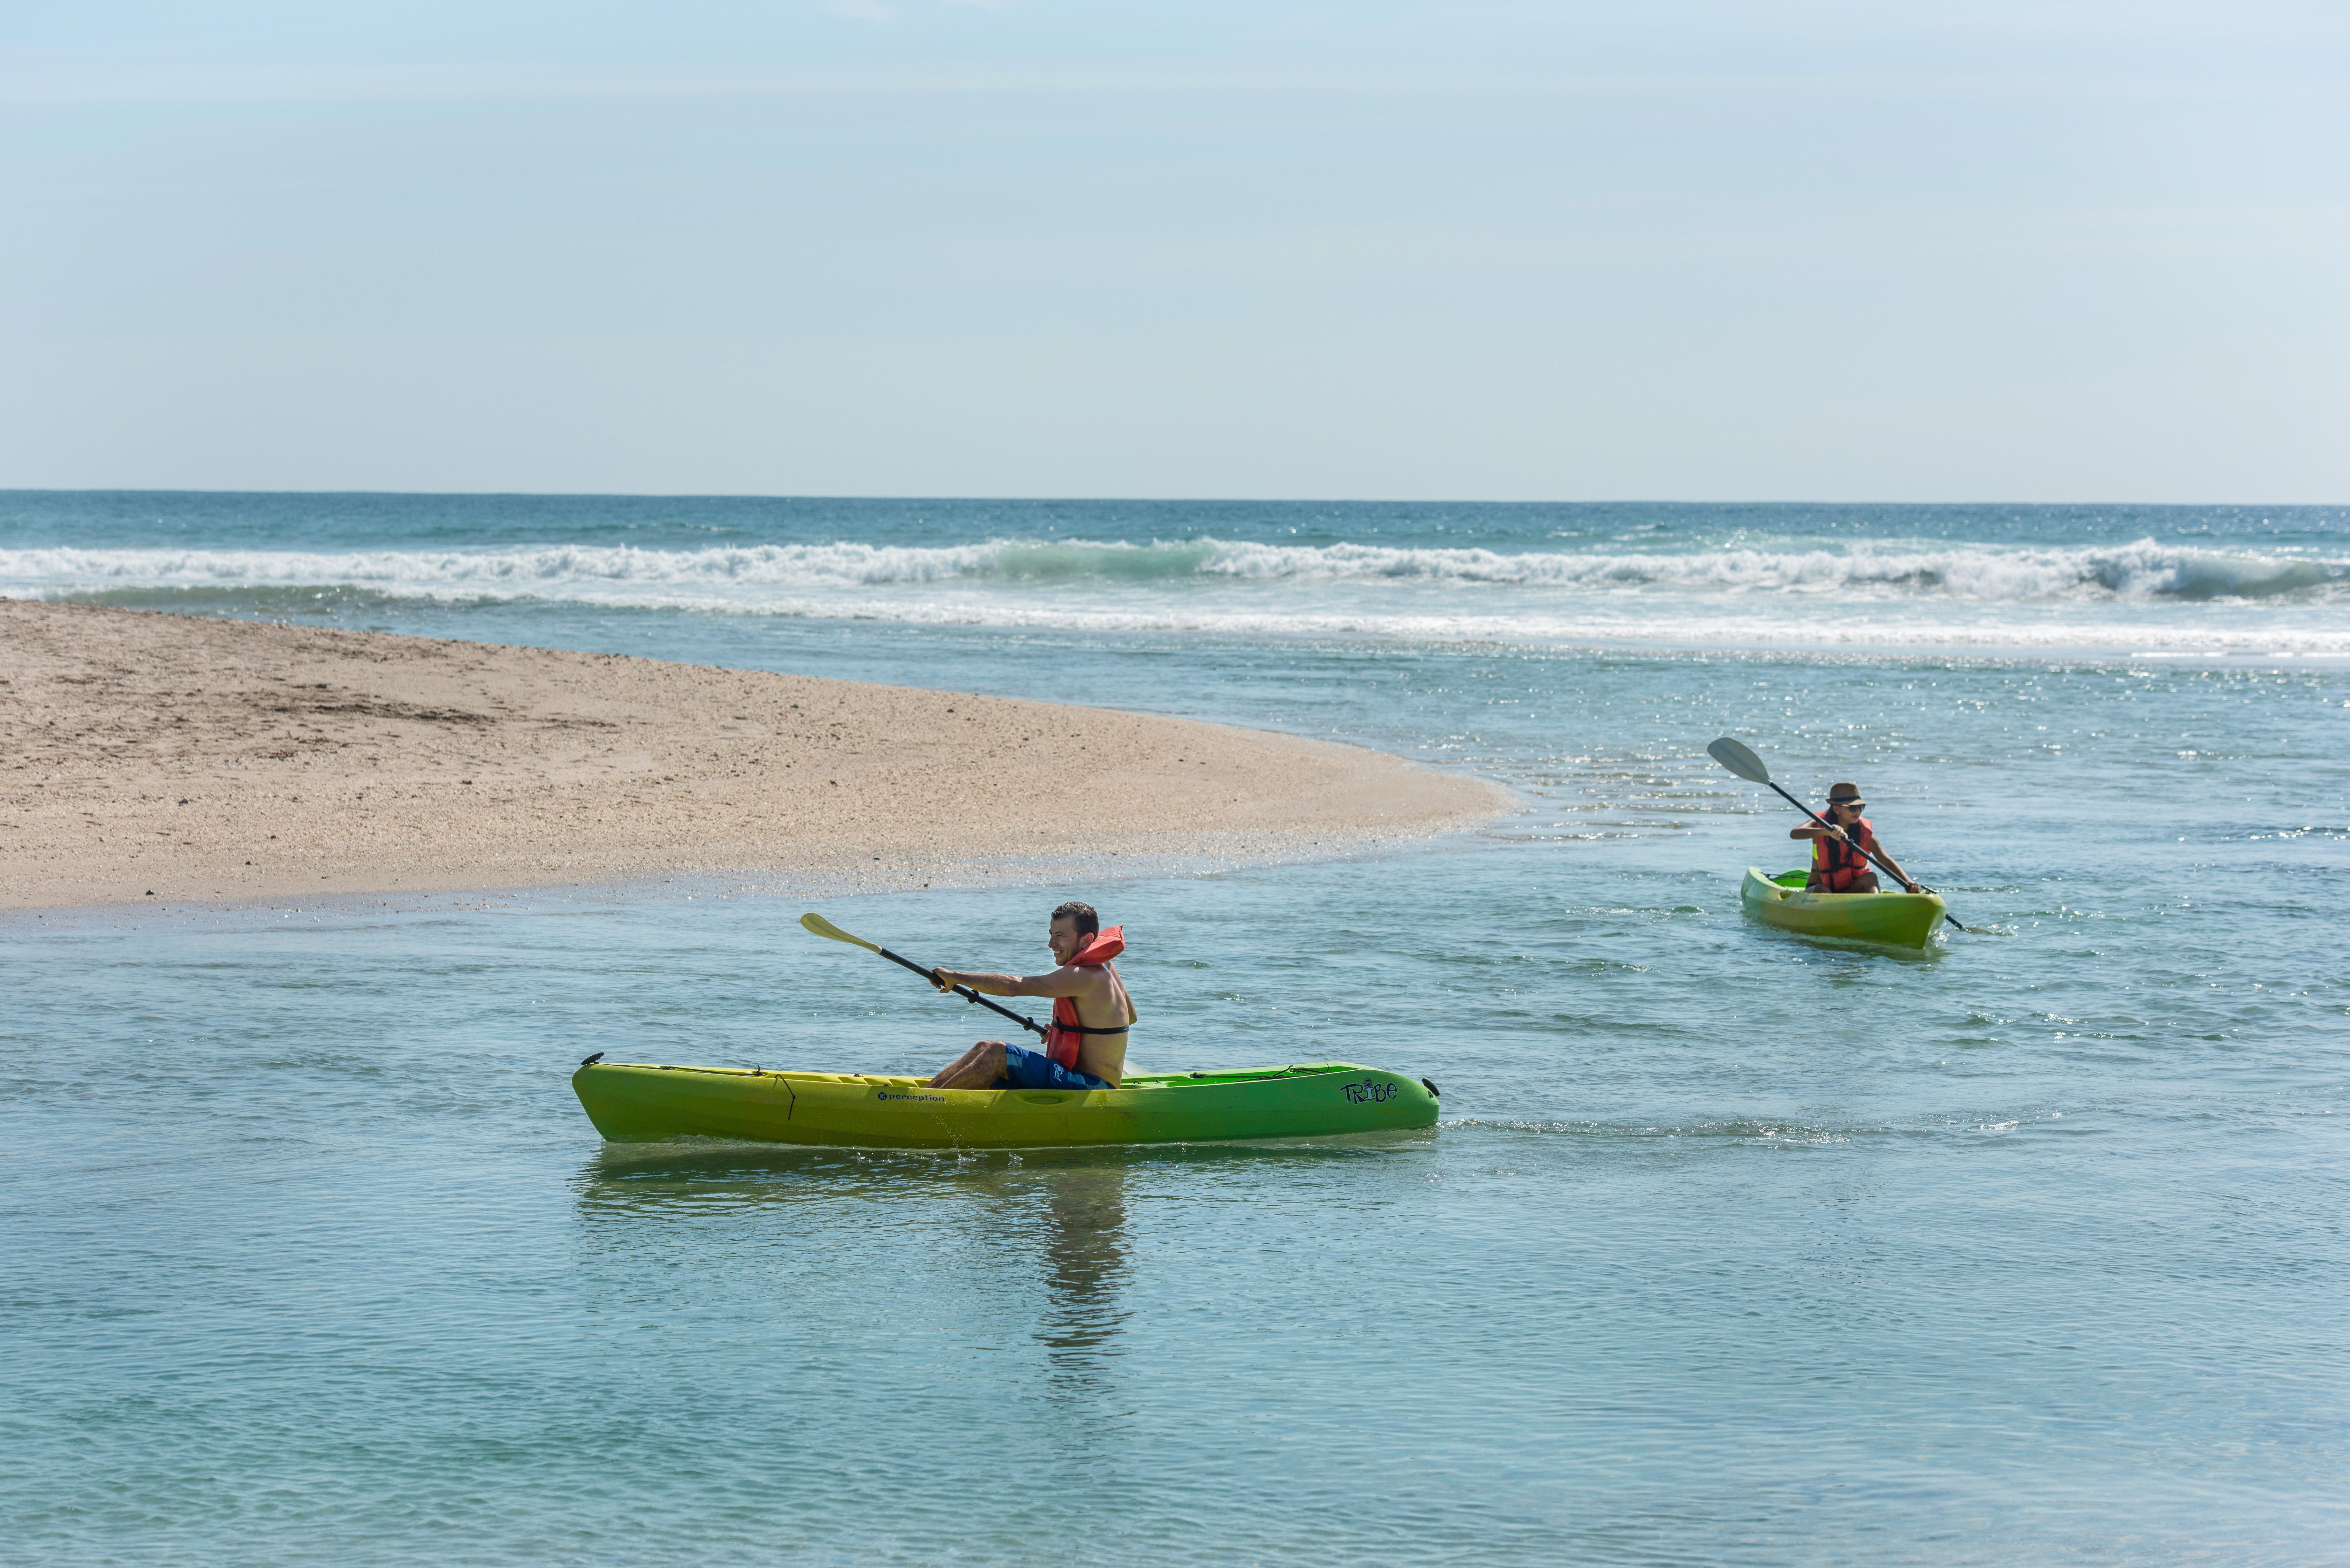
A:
147,755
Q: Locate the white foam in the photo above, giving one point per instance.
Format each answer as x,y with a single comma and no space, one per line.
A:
546,570
2144,594
2145,569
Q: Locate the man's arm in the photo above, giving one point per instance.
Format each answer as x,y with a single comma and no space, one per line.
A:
1062,981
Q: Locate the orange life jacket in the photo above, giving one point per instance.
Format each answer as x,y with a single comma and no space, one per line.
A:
1062,1040
1839,864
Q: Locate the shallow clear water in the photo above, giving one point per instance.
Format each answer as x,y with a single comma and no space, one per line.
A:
1731,1248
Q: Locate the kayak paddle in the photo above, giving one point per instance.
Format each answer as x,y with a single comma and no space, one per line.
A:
824,927
1741,760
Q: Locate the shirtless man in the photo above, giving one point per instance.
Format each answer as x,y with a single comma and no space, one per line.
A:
1838,862
1101,1003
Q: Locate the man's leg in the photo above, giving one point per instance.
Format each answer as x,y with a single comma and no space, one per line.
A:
977,1068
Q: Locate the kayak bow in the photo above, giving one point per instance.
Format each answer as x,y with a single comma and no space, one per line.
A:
1898,919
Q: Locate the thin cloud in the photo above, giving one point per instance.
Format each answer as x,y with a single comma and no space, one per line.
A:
339,82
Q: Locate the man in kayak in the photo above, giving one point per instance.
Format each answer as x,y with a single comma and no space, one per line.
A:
1089,1032
1840,853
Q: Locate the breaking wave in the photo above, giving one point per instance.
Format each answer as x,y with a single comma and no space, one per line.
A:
2144,595
739,575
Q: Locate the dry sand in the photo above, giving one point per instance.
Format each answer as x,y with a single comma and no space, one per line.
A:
189,759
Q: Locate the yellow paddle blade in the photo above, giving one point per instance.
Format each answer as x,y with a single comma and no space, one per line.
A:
825,928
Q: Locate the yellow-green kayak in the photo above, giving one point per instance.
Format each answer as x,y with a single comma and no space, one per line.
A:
633,1102
1899,920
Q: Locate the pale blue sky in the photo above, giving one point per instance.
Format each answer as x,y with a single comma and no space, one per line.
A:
1797,251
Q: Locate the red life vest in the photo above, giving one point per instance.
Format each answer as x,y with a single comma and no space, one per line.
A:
1062,1040
1840,865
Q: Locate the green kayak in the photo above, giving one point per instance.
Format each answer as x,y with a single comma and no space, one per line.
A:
634,1102
1898,919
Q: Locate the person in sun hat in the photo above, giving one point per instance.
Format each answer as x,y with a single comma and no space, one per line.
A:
1840,853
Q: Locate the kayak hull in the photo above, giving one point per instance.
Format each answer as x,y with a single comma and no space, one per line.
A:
1897,919
636,1103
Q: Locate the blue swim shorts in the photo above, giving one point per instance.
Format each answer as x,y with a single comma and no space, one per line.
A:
1026,1069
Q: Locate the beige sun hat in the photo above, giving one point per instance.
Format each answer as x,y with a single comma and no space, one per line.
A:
1843,792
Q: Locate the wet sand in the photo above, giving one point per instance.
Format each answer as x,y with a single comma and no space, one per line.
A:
184,759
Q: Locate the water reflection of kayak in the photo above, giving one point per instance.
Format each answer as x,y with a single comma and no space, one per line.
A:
1898,919
633,1102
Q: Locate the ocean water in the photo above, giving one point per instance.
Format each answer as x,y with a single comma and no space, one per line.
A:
1731,1248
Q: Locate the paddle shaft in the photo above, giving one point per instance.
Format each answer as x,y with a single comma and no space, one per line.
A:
1823,822
965,992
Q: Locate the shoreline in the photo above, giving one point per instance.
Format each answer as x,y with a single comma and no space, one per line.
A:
712,886
200,761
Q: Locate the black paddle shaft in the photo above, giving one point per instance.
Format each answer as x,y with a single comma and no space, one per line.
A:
965,991
1823,822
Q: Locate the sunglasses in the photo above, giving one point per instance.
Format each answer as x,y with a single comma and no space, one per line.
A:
1851,805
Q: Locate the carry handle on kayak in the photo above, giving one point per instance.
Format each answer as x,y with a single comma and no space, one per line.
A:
1741,760
824,927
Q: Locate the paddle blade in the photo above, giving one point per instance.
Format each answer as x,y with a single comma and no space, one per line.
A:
825,928
1739,760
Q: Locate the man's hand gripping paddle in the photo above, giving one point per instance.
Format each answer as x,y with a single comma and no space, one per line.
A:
1741,760
824,927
